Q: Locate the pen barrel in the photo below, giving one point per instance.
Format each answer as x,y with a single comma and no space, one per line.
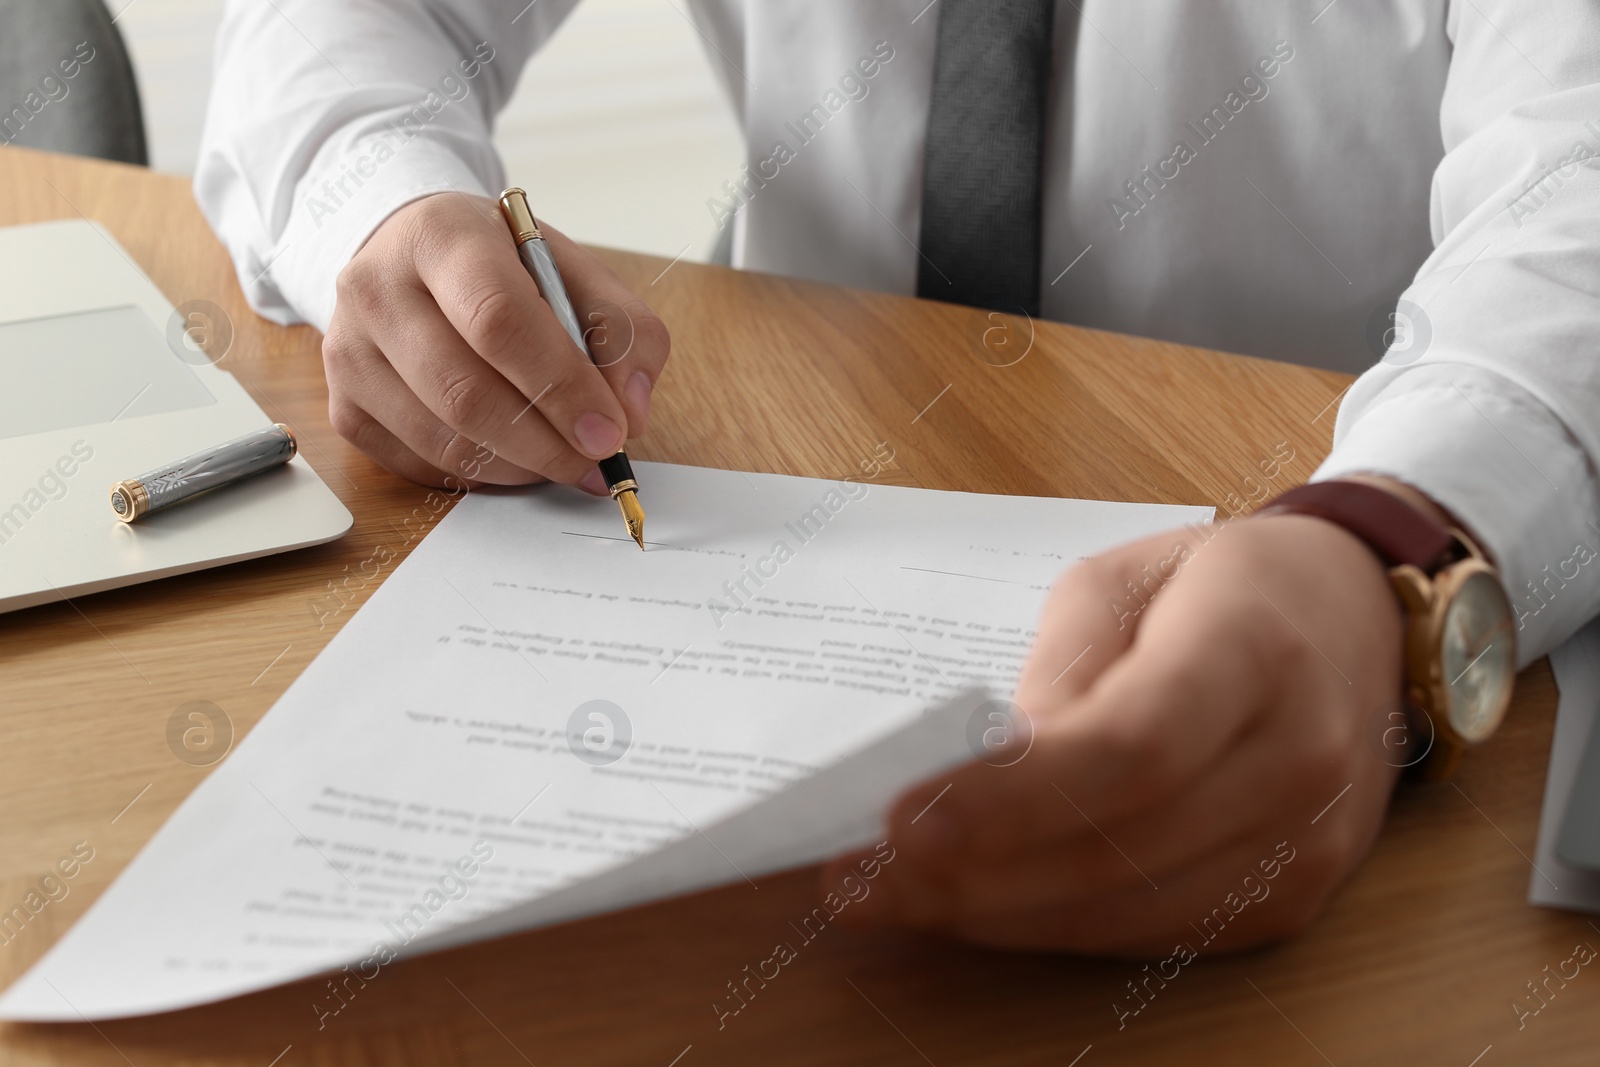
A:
541,264
616,470
209,469
537,258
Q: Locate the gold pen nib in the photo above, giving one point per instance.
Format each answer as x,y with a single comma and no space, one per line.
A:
632,514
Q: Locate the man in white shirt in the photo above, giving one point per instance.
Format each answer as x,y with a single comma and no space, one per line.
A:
1251,175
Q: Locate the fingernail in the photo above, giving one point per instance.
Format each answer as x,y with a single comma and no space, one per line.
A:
594,483
638,393
597,435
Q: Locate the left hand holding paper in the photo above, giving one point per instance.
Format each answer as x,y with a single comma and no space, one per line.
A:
1205,762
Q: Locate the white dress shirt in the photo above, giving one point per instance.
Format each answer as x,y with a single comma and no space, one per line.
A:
1259,176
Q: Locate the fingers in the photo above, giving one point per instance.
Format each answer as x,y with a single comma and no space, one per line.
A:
1148,850
371,406
1233,719
1223,903
490,300
480,366
1088,624
384,448
443,377
1151,723
1277,870
1079,634
627,341
1097,898
1093,615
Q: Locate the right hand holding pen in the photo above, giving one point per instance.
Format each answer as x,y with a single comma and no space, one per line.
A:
444,362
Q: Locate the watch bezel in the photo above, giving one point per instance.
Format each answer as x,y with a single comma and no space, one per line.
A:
1426,614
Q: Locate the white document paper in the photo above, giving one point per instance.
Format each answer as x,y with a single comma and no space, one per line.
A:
1576,665
531,720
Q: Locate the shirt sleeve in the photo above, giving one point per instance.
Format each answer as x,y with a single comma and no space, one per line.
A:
1489,401
325,117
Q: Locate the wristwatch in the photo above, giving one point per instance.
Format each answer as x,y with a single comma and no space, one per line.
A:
1460,641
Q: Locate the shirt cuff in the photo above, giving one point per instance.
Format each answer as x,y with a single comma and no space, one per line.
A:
339,205
1502,463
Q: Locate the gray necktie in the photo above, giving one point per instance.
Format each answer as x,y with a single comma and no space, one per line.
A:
981,168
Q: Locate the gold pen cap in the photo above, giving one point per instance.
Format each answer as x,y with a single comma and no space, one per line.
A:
514,206
208,469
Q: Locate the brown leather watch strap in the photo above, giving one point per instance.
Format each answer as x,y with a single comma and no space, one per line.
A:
1396,531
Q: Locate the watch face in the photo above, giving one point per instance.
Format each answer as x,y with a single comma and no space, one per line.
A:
1477,657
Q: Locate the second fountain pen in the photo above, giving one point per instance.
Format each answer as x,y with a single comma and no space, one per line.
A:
535,253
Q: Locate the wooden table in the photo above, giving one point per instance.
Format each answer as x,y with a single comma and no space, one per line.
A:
1417,960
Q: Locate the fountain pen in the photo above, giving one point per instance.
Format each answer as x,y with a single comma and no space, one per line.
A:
535,253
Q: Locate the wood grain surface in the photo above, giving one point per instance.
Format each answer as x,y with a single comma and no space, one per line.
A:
1417,960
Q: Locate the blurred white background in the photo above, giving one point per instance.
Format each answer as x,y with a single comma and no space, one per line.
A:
618,129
